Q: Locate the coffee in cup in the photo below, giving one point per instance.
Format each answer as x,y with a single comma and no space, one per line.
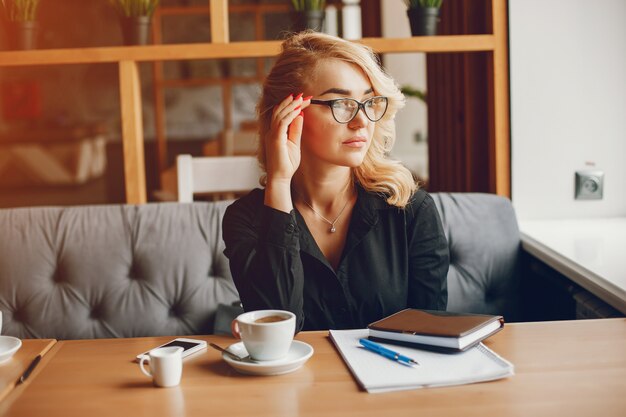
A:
266,334
271,319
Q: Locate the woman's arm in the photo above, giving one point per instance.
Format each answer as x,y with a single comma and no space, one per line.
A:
263,248
260,231
428,256
282,151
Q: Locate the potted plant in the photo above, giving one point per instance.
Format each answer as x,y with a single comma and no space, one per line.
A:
420,95
308,14
423,16
410,91
22,27
135,18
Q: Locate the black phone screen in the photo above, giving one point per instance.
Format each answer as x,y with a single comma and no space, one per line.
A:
184,345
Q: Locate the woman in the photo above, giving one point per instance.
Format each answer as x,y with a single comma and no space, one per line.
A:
340,235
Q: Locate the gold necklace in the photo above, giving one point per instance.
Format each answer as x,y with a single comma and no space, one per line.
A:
332,229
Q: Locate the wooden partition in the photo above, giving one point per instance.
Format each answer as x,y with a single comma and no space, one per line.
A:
128,57
468,105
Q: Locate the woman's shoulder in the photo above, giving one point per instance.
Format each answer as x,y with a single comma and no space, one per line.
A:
420,203
420,197
249,204
417,200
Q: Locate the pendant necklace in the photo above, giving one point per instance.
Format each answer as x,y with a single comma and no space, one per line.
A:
332,229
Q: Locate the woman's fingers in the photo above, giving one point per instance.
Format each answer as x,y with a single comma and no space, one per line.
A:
290,116
283,140
294,132
287,106
281,126
280,106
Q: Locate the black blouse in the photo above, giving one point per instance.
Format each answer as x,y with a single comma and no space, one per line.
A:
393,259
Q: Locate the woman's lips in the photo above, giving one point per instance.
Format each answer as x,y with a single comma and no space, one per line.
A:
355,142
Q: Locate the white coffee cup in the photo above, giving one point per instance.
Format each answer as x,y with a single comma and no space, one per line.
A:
266,334
166,366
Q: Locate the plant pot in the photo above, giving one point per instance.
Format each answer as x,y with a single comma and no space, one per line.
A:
136,30
423,21
310,19
23,35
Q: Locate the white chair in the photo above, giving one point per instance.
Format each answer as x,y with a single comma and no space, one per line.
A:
215,174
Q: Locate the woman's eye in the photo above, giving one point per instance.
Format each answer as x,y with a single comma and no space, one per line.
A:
348,104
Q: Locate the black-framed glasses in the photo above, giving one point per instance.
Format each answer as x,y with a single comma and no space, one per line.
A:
346,109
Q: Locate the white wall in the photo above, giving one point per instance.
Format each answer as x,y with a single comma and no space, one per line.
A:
407,69
568,104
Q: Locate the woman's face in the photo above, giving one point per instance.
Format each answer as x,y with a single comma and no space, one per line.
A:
323,138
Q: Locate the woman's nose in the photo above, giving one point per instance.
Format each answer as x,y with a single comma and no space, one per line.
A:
360,120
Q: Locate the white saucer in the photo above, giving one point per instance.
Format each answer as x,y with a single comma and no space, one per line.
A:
298,354
8,346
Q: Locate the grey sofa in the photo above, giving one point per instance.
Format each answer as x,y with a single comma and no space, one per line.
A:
159,269
485,253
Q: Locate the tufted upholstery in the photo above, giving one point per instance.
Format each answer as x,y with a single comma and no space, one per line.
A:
113,271
485,248
159,269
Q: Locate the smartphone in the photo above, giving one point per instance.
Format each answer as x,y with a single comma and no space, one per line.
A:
190,346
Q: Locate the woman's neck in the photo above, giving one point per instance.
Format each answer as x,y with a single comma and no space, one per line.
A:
324,190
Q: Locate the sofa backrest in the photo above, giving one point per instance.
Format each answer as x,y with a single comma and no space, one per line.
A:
485,253
113,271
159,269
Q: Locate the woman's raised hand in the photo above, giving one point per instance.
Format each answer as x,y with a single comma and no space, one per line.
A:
283,140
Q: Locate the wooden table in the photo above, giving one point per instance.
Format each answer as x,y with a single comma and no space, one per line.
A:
573,368
11,370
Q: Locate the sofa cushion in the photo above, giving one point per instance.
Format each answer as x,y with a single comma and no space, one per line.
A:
485,248
113,271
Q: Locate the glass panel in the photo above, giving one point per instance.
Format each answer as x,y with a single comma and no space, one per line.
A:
186,29
193,112
58,126
245,99
183,70
215,68
268,64
100,24
185,2
242,27
276,25
242,67
93,24
411,146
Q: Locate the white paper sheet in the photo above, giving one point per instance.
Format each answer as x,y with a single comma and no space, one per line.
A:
376,373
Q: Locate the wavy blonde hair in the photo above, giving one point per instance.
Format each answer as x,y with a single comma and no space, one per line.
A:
300,54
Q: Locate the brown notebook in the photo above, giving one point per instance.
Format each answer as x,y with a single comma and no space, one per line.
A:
435,330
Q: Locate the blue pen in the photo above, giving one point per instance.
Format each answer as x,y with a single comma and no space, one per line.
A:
387,353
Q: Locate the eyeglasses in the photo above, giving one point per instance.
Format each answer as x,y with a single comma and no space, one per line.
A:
346,109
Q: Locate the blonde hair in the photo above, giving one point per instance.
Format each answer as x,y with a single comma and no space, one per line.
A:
300,54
